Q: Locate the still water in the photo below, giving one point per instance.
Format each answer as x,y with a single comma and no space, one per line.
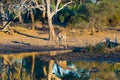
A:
39,66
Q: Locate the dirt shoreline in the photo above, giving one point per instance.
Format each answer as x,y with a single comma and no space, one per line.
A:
86,56
36,41
10,49
70,56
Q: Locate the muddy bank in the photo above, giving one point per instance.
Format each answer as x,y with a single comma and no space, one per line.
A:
112,57
88,56
36,41
9,49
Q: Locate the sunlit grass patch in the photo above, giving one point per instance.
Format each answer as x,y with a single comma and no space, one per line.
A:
18,28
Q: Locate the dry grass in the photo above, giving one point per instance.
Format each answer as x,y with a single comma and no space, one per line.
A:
74,37
18,28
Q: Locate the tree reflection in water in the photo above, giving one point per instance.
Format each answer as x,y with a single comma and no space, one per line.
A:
32,66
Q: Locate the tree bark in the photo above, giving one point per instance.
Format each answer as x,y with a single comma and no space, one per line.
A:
33,66
43,15
52,35
50,74
20,19
21,69
32,18
44,70
7,63
50,14
43,20
93,26
3,15
8,22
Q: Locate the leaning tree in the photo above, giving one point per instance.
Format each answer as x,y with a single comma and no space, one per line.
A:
10,7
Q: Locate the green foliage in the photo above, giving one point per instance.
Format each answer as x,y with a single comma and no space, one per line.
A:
78,23
80,18
77,15
90,48
105,13
99,48
82,12
64,15
52,5
62,18
114,20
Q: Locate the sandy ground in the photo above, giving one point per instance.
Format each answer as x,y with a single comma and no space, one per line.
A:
23,38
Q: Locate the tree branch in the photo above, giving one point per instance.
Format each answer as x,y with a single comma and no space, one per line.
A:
57,9
65,5
57,5
40,7
19,13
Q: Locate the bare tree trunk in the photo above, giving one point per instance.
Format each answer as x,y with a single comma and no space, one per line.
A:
93,26
3,15
81,1
8,72
50,14
51,63
21,70
20,19
43,15
43,20
7,63
52,35
50,74
9,22
32,18
44,70
33,66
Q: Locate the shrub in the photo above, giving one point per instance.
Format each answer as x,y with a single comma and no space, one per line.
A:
114,20
77,22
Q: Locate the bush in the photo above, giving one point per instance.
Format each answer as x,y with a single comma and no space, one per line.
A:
77,22
99,48
114,20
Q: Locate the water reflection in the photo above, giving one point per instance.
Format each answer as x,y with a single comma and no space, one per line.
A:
36,66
